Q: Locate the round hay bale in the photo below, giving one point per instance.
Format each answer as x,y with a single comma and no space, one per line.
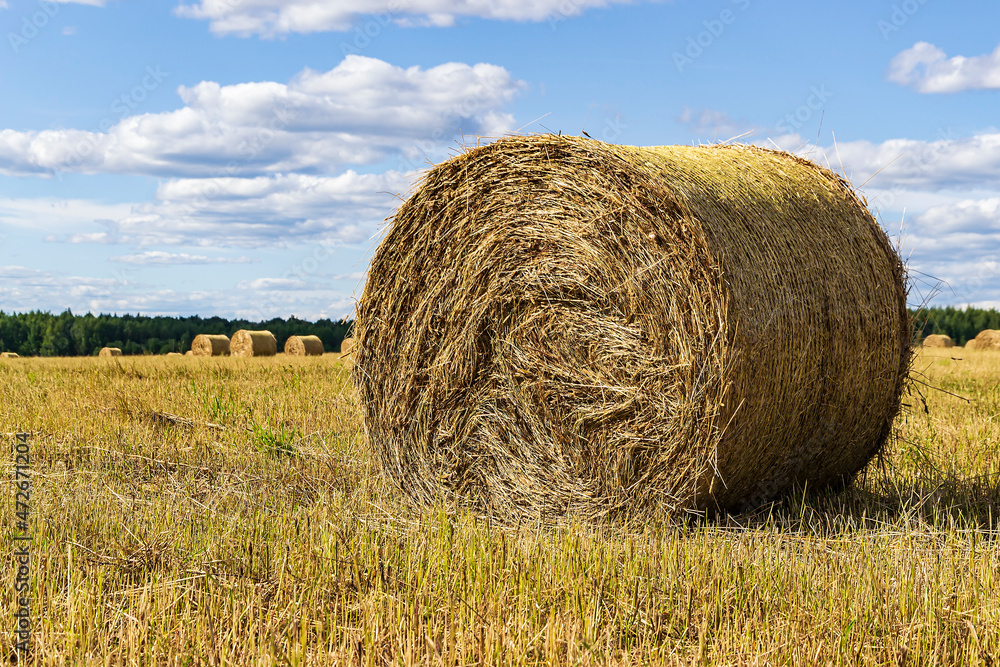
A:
253,344
189,353
938,340
110,352
347,346
210,345
558,325
9,355
304,346
174,354
988,339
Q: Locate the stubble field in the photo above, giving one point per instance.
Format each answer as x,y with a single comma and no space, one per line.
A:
228,511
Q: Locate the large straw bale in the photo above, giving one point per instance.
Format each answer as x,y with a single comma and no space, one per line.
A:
253,344
9,355
189,353
210,345
110,352
988,339
558,325
938,340
304,346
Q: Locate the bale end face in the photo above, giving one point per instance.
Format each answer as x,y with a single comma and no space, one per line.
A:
110,352
938,340
210,345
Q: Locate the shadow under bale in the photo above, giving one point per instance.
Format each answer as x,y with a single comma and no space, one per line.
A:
554,325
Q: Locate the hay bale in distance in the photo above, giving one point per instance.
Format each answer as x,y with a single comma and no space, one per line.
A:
110,352
347,346
210,345
558,325
189,353
304,346
938,340
174,354
253,344
9,355
987,339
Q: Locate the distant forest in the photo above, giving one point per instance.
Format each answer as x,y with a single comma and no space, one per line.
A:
69,335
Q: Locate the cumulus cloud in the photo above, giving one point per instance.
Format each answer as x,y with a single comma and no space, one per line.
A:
947,162
270,18
23,288
159,257
265,211
362,111
928,69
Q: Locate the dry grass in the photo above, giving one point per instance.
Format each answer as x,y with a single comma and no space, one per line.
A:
220,511
556,325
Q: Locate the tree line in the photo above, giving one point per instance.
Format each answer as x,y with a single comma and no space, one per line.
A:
44,334
962,324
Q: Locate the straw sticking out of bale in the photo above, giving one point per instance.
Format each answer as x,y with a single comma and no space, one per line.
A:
559,325
210,345
9,355
938,340
988,339
253,344
110,352
304,346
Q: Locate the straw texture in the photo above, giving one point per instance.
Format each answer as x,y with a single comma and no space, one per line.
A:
253,344
555,325
210,345
9,355
110,352
347,346
304,346
938,340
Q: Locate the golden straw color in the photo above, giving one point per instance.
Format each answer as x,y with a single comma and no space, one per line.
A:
938,340
210,345
253,344
110,352
304,346
556,325
347,346
9,355
987,339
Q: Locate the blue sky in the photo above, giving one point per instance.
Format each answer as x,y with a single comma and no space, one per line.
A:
238,157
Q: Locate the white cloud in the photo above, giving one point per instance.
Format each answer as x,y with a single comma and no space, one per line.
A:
69,30
159,257
278,17
362,111
928,69
949,162
266,211
3,4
